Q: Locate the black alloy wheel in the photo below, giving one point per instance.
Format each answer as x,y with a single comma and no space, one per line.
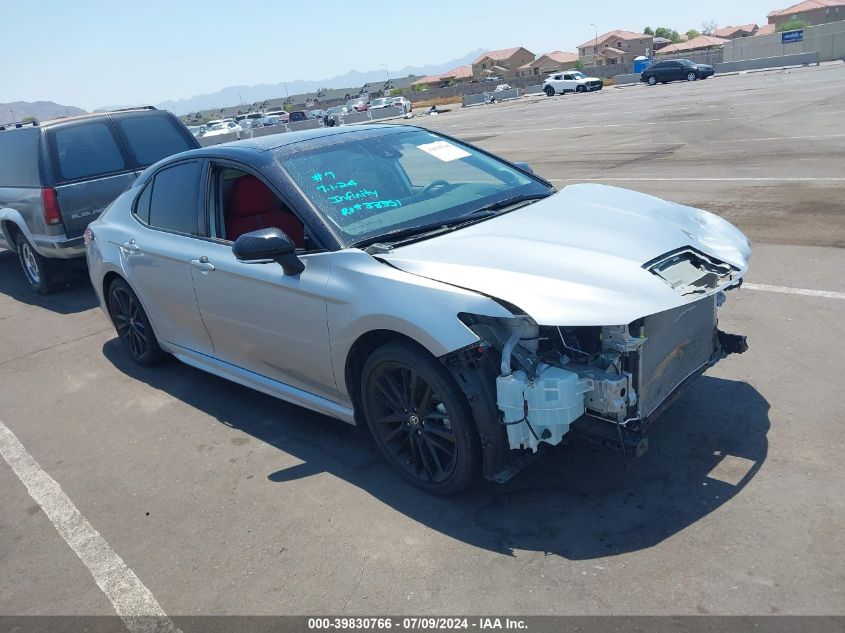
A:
550,92
132,325
419,418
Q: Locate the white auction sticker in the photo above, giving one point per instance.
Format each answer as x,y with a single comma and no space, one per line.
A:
444,151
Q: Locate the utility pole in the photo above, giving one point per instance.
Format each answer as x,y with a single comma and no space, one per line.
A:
387,74
595,46
12,112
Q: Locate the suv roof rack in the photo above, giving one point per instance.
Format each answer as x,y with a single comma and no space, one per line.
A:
18,124
146,107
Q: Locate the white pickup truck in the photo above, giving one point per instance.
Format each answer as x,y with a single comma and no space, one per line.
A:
570,81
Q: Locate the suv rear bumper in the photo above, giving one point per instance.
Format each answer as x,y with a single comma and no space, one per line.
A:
60,247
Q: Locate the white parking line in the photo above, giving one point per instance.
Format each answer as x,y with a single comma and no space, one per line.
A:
827,294
646,111
680,121
777,138
132,601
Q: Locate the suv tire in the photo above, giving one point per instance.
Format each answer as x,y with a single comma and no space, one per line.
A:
550,92
43,275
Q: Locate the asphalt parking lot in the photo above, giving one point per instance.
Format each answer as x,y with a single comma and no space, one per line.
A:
225,501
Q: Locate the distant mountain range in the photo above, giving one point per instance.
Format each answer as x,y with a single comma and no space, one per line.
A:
41,110
233,95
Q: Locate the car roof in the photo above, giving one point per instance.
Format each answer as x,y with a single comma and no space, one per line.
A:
289,141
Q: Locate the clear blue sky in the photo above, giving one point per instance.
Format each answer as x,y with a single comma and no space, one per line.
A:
91,53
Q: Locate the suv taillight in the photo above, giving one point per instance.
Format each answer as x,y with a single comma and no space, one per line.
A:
50,205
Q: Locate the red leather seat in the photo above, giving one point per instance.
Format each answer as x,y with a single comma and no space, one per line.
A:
253,206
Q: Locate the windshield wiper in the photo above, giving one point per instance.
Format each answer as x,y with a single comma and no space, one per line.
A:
391,238
398,234
509,203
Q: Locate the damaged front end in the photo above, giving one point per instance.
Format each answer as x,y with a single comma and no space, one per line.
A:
532,385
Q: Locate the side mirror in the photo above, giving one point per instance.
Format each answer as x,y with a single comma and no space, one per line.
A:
268,245
524,167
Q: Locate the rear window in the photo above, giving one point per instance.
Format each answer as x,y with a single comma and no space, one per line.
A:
172,205
85,150
142,205
151,138
19,158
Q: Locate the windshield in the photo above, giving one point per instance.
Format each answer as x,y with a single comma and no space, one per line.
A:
378,102
578,75
372,186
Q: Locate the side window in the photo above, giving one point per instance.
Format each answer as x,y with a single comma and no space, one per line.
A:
142,204
568,77
151,137
247,204
558,77
85,150
173,201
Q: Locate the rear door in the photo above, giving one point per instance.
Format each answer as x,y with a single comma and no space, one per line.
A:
158,257
90,169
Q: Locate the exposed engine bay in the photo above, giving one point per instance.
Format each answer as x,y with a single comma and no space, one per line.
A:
605,383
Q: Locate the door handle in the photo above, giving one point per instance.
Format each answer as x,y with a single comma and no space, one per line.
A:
131,247
202,264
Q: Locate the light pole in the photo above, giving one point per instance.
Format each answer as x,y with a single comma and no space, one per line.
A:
12,112
387,74
595,45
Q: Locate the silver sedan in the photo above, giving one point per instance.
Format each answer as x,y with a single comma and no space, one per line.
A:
454,303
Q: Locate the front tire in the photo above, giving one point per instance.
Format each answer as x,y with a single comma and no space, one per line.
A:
652,80
580,89
132,325
43,275
691,76
550,92
420,419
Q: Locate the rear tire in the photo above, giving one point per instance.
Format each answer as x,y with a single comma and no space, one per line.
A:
132,325
420,419
43,275
550,92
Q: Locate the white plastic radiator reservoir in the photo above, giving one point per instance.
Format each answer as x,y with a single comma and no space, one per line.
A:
540,410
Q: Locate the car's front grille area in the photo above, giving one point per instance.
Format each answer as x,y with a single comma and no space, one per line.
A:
594,84
680,342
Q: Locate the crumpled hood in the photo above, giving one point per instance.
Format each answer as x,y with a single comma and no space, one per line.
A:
576,257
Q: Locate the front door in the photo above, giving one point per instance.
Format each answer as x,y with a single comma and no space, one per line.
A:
265,321
259,318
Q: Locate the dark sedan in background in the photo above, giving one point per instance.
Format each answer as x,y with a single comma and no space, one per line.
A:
675,70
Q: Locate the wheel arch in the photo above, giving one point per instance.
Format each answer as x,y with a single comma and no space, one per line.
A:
357,357
12,223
